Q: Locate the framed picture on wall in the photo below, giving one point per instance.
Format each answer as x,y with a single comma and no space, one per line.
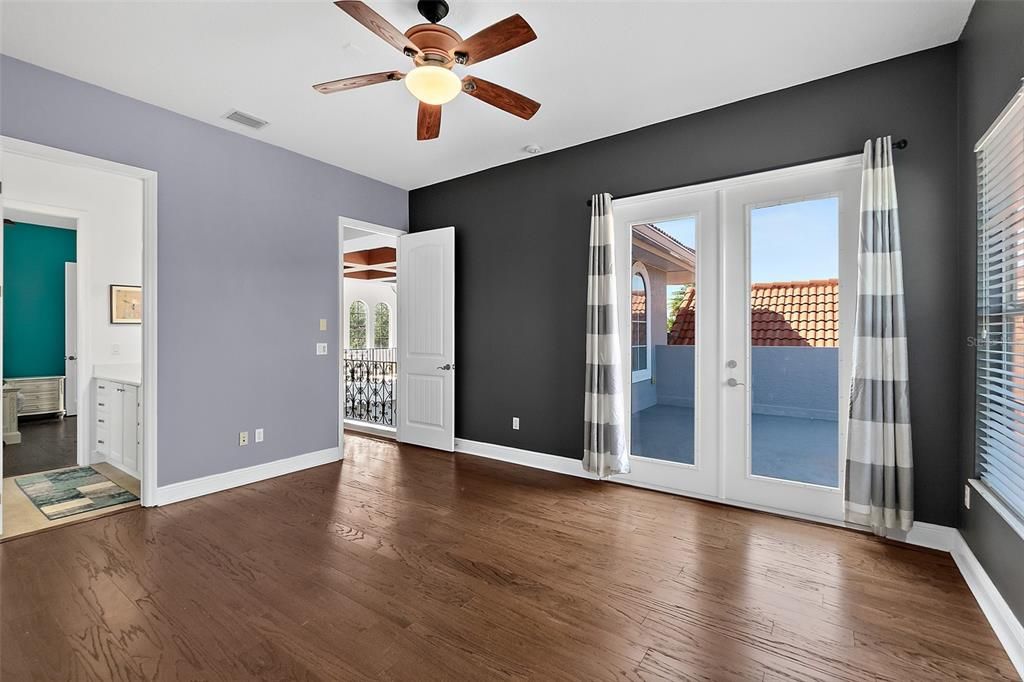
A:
125,304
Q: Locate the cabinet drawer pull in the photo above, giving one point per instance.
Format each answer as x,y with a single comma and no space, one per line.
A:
100,421
102,404
100,441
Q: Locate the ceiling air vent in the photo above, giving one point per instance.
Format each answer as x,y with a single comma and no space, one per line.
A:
245,119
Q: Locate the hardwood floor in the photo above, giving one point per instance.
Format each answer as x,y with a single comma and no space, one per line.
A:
46,444
405,563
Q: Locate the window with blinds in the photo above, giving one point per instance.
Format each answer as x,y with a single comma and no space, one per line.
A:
1000,341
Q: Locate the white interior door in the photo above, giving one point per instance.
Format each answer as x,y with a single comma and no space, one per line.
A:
426,339
70,339
785,242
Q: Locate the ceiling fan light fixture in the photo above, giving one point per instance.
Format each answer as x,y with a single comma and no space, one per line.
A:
433,84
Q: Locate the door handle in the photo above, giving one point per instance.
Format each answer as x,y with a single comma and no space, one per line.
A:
70,357
447,367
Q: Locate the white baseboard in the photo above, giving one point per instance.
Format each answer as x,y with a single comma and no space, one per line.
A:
176,492
930,535
944,538
528,458
1007,627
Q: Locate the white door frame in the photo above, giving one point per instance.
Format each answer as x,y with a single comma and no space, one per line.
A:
373,228
658,206
10,145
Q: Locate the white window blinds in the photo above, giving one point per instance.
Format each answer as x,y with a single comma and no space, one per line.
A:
1000,342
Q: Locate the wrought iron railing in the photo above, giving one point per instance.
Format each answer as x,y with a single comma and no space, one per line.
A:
372,354
370,378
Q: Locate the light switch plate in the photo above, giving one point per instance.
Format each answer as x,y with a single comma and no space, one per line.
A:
321,349
259,435
967,495
243,438
115,349
515,423
323,324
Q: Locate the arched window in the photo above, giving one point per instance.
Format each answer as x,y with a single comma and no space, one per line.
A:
640,333
357,325
382,326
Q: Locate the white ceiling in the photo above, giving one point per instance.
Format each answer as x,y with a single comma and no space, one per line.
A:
598,68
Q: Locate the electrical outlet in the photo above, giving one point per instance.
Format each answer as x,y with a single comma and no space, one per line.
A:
321,349
259,435
243,438
115,349
967,495
515,423
323,324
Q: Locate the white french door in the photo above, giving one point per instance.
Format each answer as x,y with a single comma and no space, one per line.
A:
746,290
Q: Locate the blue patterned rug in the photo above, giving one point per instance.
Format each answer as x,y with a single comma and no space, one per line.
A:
72,491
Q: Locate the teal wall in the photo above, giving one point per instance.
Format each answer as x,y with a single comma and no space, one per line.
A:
34,258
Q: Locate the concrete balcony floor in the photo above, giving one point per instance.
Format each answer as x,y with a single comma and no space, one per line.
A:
788,448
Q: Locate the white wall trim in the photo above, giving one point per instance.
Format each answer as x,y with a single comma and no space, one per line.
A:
528,458
943,538
1007,627
186,490
12,145
930,535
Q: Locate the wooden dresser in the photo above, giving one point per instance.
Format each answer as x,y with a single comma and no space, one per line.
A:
39,395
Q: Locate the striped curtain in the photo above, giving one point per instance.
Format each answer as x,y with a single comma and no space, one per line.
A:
879,461
604,440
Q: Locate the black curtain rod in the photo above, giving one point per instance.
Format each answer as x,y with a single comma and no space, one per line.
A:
898,144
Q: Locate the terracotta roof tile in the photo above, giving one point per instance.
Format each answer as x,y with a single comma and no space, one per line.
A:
781,314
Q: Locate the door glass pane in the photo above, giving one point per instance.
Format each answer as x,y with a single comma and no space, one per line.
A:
664,260
794,337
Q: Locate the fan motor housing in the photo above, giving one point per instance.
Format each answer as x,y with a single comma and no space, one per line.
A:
433,10
436,44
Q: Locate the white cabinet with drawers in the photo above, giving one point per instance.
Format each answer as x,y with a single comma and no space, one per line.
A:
117,431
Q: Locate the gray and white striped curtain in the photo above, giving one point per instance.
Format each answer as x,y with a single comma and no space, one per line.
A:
879,461
604,440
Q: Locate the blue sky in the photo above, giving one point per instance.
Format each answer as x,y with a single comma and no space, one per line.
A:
789,242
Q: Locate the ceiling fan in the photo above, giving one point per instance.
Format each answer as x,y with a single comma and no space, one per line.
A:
434,50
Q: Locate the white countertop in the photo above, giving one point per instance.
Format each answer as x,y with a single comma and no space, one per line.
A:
122,374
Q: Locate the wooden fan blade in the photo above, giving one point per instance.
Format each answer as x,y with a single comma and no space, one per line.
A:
496,39
358,81
362,13
497,96
428,122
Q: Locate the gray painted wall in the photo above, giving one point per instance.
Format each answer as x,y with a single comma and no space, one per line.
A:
991,64
247,267
522,233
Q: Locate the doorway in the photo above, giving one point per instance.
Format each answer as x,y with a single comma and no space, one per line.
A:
369,317
737,316
88,404
397,333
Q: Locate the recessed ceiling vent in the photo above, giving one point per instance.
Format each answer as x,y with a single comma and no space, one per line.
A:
245,119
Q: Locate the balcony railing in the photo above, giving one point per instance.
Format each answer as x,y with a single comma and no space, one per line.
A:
371,375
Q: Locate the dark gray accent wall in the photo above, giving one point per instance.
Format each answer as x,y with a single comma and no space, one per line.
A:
991,65
522,235
248,264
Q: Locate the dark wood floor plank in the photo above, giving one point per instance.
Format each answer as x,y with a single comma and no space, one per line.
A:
408,564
